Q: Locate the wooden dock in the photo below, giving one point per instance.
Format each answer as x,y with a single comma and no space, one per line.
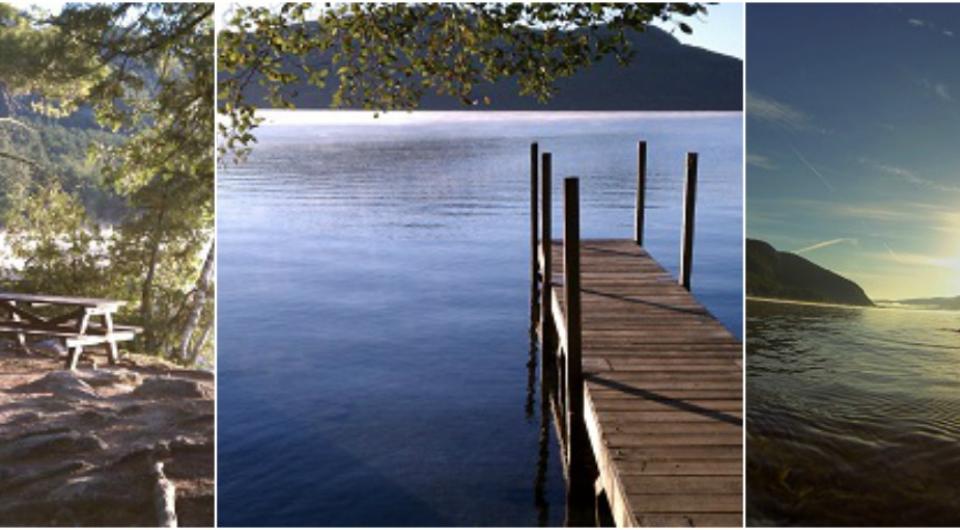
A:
646,384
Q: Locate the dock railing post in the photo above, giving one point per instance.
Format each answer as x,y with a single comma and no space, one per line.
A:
689,212
546,331
577,449
641,191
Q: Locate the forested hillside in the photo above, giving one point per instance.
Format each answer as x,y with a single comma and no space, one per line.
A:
55,149
775,274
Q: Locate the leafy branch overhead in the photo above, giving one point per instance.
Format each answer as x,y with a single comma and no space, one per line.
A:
387,56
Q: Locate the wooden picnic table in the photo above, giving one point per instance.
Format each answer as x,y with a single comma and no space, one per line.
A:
72,319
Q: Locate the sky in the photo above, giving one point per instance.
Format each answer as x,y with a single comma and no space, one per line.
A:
853,141
721,30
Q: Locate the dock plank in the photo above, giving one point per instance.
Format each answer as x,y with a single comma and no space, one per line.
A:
663,392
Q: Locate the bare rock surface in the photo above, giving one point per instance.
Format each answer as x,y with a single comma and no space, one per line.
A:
127,445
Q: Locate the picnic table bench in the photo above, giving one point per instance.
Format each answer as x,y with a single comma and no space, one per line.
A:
72,320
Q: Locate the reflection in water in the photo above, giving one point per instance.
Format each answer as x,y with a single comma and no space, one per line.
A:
581,502
531,373
543,439
543,449
853,416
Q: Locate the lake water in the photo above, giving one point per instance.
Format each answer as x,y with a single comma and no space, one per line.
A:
374,304
853,416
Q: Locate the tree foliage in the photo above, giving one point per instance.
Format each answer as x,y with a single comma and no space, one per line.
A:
41,58
33,147
386,56
61,248
146,71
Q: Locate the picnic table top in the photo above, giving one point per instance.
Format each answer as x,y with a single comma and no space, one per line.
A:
103,303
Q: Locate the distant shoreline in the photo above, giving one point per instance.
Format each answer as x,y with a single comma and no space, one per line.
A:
313,116
879,305
806,302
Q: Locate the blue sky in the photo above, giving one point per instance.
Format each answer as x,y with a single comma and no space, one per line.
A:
853,140
721,30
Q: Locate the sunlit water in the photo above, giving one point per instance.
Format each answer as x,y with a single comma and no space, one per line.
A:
373,308
853,416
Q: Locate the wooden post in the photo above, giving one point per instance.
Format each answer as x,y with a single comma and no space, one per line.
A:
21,338
641,191
578,454
571,296
73,355
689,211
111,343
534,259
546,293
534,170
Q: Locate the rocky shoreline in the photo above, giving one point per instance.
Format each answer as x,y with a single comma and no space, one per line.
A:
127,445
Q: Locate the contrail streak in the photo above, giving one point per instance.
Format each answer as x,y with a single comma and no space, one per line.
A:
813,169
823,244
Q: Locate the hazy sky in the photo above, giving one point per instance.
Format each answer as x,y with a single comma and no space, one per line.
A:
721,30
853,140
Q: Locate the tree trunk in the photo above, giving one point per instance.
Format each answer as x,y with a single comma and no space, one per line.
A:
198,344
8,105
146,290
199,301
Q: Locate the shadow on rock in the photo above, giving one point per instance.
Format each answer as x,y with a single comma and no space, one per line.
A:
119,446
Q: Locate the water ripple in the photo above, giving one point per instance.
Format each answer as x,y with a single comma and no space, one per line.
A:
853,416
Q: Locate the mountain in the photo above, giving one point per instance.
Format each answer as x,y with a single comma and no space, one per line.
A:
934,303
774,274
663,75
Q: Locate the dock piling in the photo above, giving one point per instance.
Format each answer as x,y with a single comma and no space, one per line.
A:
546,279
641,191
577,446
689,212
534,195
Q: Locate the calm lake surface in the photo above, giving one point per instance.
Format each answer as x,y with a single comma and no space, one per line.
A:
374,304
853,416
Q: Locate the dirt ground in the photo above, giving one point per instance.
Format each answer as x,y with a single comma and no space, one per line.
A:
82,448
